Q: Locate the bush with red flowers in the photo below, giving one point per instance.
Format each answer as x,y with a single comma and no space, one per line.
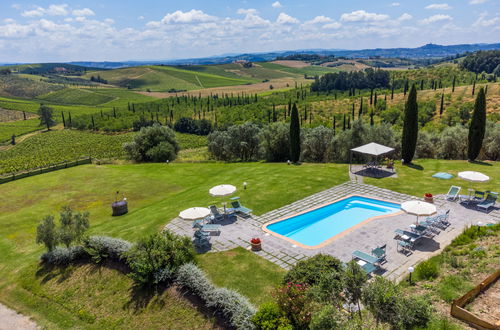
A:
255,240
428,195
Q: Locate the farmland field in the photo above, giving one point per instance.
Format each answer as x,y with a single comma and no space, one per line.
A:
76,96
17,128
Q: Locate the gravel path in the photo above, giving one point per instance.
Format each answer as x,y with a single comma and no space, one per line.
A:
11,320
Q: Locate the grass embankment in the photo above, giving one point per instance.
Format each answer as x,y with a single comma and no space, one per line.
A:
417,180
89,297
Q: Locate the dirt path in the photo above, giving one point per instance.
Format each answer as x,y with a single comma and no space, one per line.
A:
11,320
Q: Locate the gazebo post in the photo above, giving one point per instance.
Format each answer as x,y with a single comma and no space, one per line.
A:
350,160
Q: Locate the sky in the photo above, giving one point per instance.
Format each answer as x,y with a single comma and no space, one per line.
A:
119,30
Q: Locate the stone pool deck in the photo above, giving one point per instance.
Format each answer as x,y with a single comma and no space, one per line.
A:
238,231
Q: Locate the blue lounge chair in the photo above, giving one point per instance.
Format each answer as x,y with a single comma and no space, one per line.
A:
237,207
380,252
369,268
487,203
204,227
453,193
365,257
215,213
479,196
407,235
201,239
406,247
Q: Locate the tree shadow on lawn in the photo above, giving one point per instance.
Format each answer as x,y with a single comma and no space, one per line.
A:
61,272
479,162
415,166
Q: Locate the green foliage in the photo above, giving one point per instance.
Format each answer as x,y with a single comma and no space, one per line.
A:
155,258
410,127
77,96
354,280
316,144
193,126
427,270
452,286
63,256
453,143
327,317
294,135
492,141
239,142
482,61
309,271
46,116
275,142
356,79
477,127
270,317
72,226
293,300
46,233
102,247
14,85
153,144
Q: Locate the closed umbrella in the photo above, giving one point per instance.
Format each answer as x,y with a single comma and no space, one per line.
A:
418,208
194,213
221,191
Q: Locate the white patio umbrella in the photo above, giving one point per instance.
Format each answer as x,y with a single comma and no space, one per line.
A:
221,191
194,213
473,176
418,208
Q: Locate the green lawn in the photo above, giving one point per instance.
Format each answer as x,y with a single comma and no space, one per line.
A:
251,275
418,180
156,193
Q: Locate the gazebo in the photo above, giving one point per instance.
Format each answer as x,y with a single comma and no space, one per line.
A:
371,149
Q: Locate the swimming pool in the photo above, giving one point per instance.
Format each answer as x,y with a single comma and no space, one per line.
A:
312,228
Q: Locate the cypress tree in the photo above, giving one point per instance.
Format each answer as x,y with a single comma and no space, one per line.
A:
371,96
64,121
441,108
294,135
275,118
421,84
353,109
344,125
473,87
410,127
24,115
93,124
69,117
392,93
349,122
453,84
360,110
405,87
375,100
477,126
334,125
371,118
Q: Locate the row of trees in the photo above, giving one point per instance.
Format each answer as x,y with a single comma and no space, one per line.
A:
483,61
343,81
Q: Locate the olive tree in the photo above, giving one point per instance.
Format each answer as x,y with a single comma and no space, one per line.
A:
153,144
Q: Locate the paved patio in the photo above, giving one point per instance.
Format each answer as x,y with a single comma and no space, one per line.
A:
238,231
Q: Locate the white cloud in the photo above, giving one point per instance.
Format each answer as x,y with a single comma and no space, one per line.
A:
439,6
83,12
52,10
436,18
477,2
57,10
192,16
333,26
277,4
405,17
395,4
249,11
482,21
286,19
140,18
361,15
16,6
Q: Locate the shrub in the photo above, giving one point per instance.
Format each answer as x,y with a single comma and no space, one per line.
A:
46,233
293,299
218,145
152,258
193,126
427,270
142,122
309,271
316,144
414,311
453,143
236,308
492,141
275,142
103,247
451,287
270,317
327,318
62,256
239,142
155,143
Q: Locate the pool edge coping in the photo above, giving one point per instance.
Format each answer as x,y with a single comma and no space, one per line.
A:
331,239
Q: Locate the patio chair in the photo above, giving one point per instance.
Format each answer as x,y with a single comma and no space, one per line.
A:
204,227
487,203
479,196
201,239
453,193
365,257
422,229
368,268
404,247
237,207
407,235
380,253
215,213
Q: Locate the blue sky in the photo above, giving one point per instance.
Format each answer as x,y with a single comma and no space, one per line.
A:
114,30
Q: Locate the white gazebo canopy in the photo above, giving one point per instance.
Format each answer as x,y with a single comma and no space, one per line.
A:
373,149
473,176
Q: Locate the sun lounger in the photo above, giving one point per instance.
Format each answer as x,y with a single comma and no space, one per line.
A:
215,213
479,196
201,239
207,227
407,235
453,193
487,203
380,253
367,267
237,207
365,257
406,247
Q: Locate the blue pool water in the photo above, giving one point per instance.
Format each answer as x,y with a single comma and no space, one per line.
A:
316,226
